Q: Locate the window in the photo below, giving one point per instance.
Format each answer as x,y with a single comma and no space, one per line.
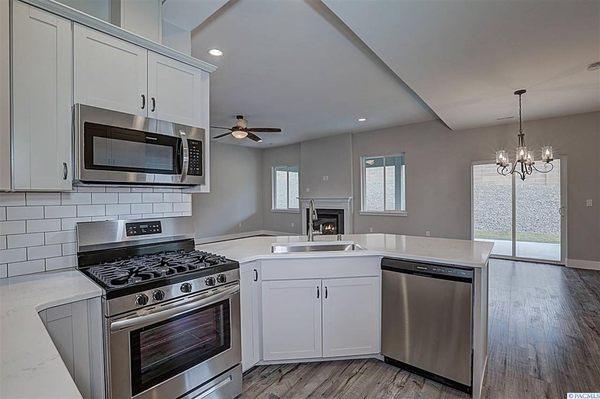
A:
383,184
285,188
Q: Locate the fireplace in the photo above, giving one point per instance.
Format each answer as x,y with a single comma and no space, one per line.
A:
329,221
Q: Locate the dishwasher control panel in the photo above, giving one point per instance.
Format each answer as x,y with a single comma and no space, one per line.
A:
425,268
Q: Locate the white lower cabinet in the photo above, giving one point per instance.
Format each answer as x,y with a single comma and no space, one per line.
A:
250,310
351,316
312,318
291,315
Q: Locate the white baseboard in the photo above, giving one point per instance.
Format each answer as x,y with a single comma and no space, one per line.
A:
235,236
583,264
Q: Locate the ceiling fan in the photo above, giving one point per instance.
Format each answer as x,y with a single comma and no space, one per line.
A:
241,130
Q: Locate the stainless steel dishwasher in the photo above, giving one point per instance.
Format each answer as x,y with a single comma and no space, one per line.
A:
427,320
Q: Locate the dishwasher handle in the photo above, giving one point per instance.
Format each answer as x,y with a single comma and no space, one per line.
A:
427,270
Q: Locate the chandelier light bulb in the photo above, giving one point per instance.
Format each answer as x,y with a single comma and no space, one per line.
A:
521,154
501,158
529,158
547,154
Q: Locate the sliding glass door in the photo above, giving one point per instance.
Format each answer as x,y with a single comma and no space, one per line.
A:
524,219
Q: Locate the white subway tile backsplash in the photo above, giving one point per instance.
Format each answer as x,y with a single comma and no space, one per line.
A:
19,268
130,198
105,198
60,237
162,207
12,199
37,230
44,251
69,248
61,211
25,240
24,212
61,262
152,197
91,189
116,209
91,210
76,198
69,223
39,226
141,208
12,227
42,199
183,207
13,255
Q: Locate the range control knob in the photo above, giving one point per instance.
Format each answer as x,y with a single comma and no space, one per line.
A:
221,278
158,295
186,287
210,281
141,299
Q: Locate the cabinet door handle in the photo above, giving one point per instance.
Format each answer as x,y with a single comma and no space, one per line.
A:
143,101
318,293
153,104
325,292
65,171
255,275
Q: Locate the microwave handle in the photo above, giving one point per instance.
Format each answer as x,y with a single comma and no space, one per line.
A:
185,159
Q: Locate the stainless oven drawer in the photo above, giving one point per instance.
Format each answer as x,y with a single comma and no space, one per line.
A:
226,386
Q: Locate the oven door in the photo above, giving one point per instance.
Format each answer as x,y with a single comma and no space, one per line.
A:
114,147
169,350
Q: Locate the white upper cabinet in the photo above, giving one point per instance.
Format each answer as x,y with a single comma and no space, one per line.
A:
109,72
42,99
177,92
351,316
291,315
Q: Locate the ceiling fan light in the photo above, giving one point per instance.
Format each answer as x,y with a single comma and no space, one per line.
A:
239,134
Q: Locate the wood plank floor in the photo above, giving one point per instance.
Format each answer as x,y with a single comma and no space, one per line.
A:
544,342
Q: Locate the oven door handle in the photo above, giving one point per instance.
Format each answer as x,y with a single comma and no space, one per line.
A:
185,156
199,301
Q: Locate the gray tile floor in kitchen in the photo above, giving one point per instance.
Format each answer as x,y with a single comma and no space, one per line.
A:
544,343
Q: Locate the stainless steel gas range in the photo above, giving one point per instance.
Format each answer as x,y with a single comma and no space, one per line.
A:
171,314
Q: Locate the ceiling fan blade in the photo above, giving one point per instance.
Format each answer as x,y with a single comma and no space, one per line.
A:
254,137
264,129
219,127
222,135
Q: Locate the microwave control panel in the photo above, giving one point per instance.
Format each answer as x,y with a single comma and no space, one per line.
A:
143,228
195,165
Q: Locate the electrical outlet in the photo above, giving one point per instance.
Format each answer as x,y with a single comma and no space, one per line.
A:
325,178
588,202
427,233
370,229
307,189
293,224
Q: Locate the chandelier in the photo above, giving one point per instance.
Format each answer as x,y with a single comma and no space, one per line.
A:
524,164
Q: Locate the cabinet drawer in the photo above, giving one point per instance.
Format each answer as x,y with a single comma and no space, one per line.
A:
334,267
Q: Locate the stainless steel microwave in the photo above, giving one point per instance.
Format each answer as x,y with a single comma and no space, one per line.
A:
119,148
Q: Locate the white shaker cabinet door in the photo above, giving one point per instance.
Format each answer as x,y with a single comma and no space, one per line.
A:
109,72
177,92
351,309
250,311
42,99
291,315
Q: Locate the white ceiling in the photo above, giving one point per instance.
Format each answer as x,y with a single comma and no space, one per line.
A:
287,65
465,58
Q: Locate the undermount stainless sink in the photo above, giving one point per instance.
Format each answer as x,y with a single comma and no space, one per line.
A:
315,246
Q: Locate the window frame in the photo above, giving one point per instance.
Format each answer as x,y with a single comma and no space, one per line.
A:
392,212
288,169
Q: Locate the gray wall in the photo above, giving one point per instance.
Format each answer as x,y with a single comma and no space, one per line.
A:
234,204
279,221
438,179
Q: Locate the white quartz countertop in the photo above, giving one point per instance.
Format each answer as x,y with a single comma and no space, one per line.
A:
30,366
429,249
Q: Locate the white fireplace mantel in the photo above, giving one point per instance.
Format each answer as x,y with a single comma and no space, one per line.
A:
344,203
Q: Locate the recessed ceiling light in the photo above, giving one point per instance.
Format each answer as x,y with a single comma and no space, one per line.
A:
216,52
362,119
594,66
